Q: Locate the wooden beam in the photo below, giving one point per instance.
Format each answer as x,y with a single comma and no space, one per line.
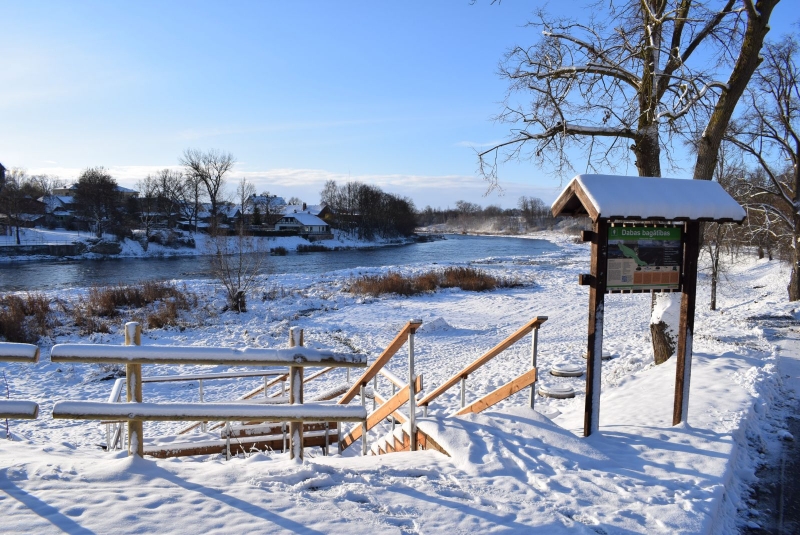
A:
200,412
526,379
215,356
483,359
683,369
18,409
591,416
133,381
379,415
381,361
14,352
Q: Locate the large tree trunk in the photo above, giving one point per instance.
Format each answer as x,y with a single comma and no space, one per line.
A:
794,280
746,64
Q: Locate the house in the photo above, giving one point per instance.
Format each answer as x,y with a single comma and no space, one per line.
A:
305,224
58,209
320,210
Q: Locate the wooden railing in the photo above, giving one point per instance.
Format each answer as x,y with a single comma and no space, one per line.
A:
407,393
133,355
18,409
494,397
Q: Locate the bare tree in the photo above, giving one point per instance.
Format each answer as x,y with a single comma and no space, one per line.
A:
631,80
149,193
237,263
171,193
244,191
748,58
209,168
769,134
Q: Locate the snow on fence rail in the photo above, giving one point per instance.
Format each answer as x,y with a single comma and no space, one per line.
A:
19,409
196,412
227,356
11,352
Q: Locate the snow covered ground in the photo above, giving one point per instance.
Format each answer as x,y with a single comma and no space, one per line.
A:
512,468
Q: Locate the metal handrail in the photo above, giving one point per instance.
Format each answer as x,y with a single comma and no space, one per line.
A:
114,430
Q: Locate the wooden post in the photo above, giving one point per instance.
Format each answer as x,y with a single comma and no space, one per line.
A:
683,370
534,346
296,397
133,380
412,393
594,362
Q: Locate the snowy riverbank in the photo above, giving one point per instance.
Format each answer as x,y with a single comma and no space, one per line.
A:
512,469
34,245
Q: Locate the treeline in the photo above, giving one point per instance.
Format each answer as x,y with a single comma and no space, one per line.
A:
367,212
531,213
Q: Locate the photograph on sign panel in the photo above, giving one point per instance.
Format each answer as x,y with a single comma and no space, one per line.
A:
644,258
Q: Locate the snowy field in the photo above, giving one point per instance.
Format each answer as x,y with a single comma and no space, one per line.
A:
513,470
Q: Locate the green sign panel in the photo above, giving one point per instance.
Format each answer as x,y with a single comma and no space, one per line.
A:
644,258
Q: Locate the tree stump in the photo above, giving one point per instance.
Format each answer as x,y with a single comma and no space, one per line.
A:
663,342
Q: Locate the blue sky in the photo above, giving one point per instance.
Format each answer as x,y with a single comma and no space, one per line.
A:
391,93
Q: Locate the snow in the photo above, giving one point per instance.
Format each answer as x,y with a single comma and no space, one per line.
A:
656,198
511,470
24,352
157,354
207,411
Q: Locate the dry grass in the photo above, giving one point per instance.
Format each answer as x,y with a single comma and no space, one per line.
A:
25,319
466,278
154,304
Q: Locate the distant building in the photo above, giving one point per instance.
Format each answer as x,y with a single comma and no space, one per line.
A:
305,224
2,176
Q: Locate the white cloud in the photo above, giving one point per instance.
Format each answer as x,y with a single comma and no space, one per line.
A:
434,190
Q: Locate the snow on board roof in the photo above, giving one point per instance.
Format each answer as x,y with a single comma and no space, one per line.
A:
645,198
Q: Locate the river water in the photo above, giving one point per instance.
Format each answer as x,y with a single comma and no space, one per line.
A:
53,274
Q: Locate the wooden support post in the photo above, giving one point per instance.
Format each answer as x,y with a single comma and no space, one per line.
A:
683,371
133,380
534,348
412,393
597,291
296,397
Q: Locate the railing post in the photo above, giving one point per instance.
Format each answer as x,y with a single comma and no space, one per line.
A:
296,397
463,391
534,344
200,388
227,441
374,391
412,393
133,379
394,420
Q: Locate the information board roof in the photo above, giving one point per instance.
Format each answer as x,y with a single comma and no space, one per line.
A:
646,198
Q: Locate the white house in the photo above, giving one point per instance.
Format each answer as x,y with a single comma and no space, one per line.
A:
303,223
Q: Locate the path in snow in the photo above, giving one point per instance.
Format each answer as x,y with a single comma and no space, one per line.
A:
778,490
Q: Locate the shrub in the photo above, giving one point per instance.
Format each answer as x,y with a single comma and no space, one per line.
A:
25,319
466,278
108,301
279,251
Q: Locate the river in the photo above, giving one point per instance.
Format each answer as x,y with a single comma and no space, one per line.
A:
54,274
